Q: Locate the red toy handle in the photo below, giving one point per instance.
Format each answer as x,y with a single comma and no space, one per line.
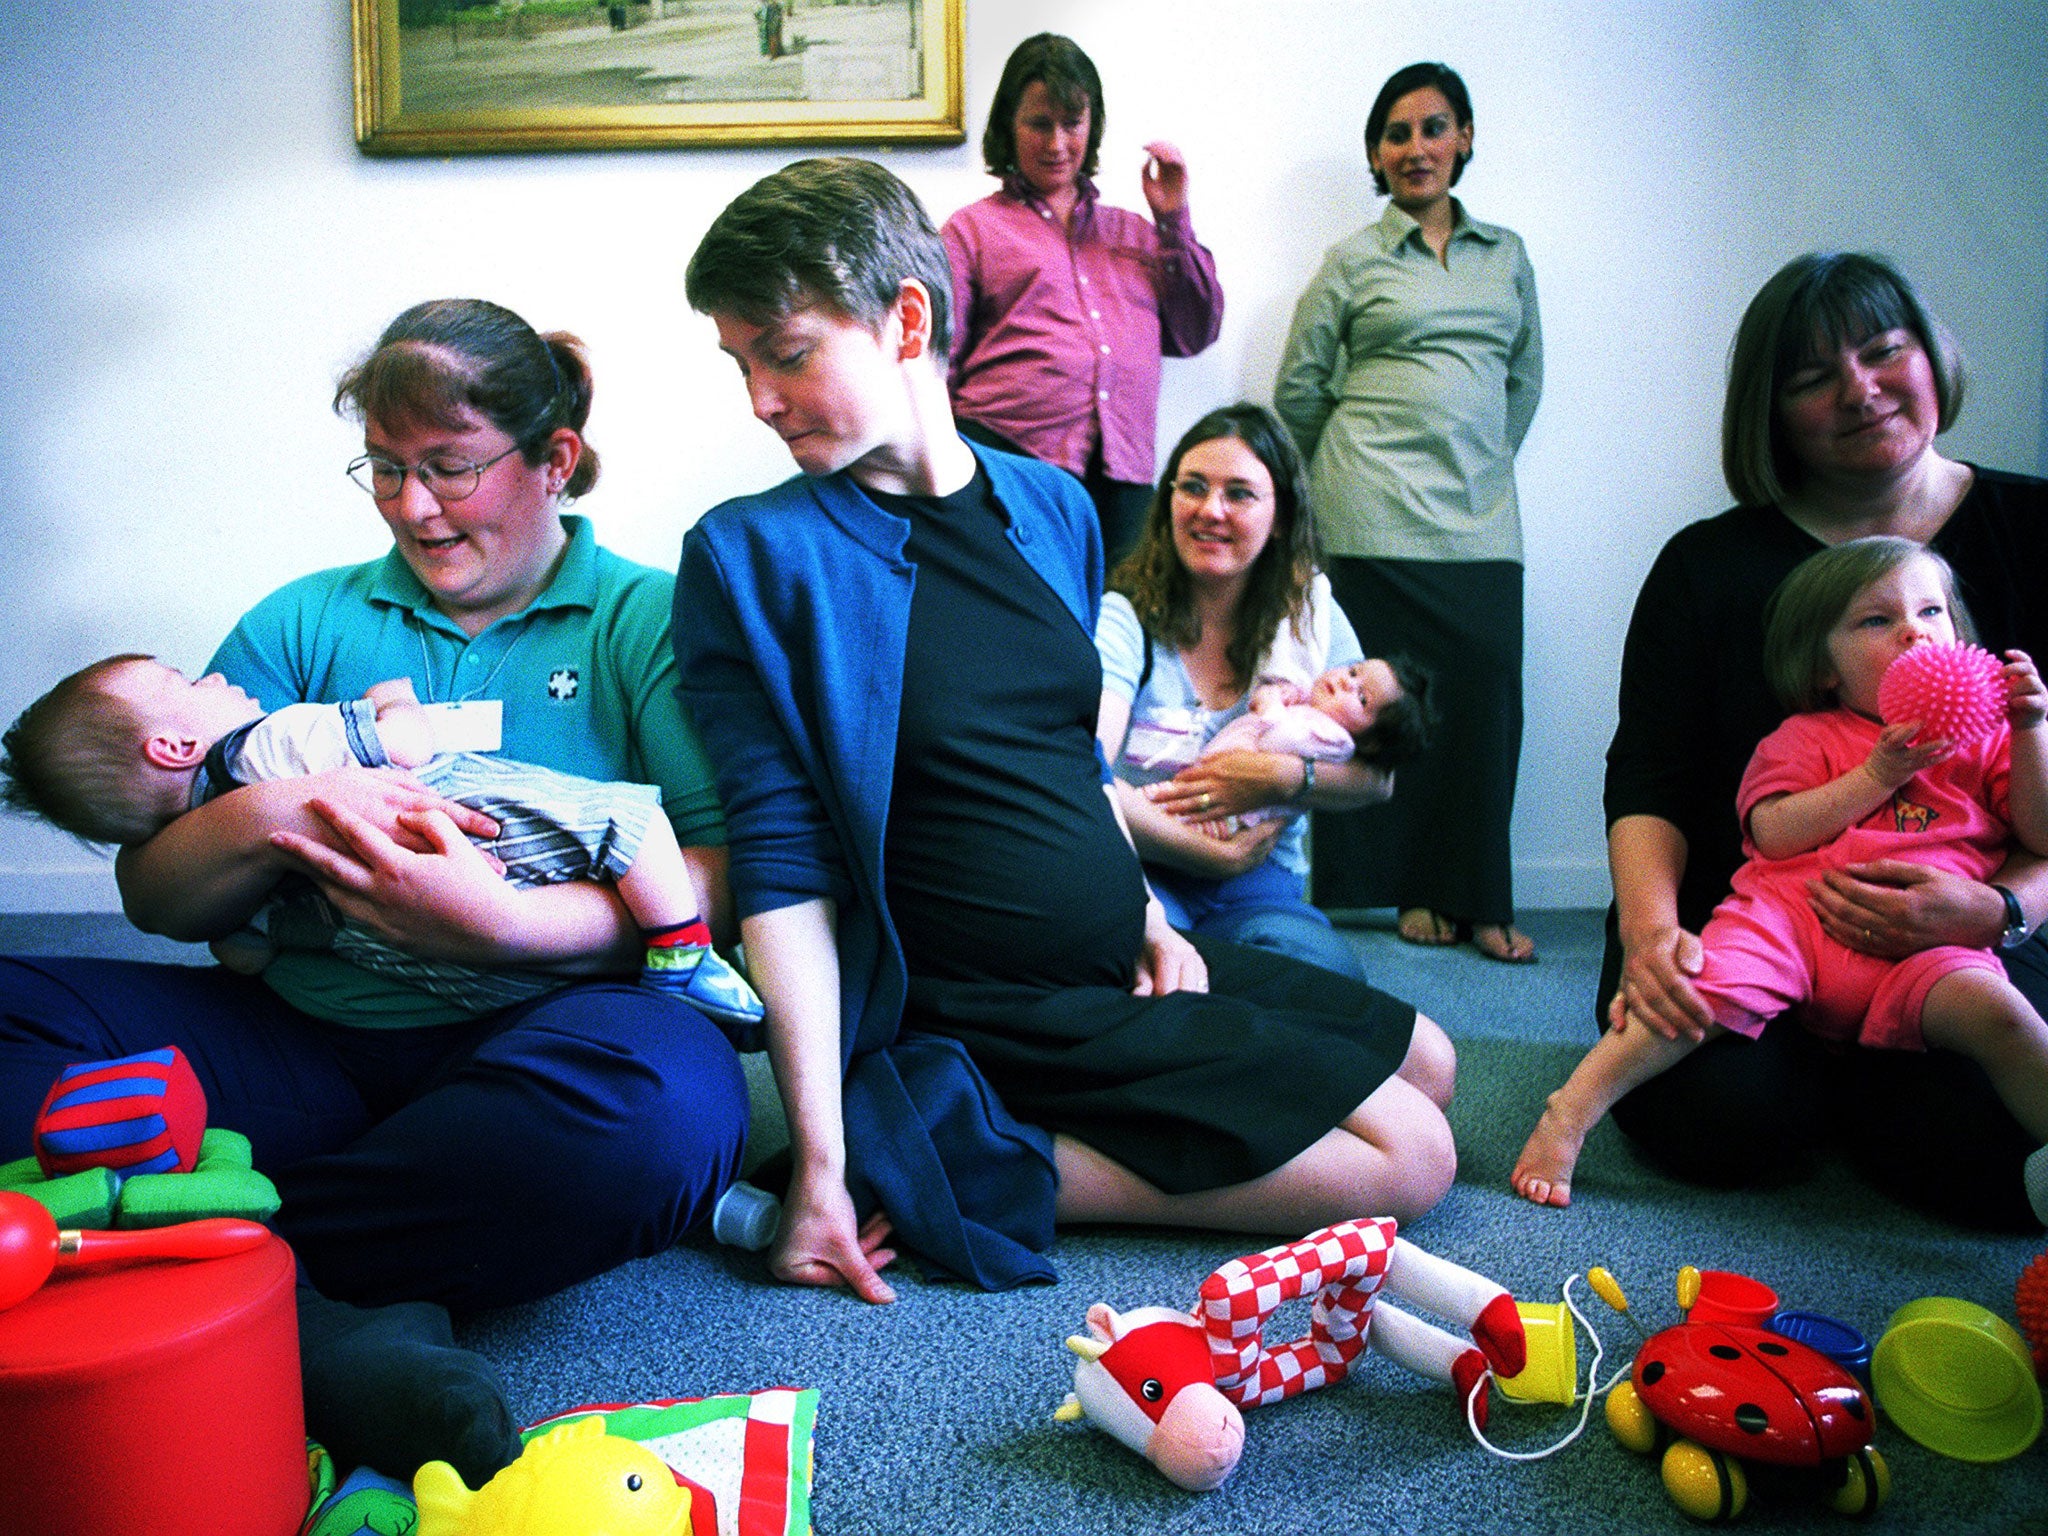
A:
31,1246
214,1238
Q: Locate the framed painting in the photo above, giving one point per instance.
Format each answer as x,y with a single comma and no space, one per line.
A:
436,77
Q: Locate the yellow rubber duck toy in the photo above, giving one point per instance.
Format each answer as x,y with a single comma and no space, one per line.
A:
573,1479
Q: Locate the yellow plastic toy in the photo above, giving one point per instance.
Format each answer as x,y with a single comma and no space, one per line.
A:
573,1479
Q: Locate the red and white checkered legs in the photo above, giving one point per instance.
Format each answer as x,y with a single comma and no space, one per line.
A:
1341,1266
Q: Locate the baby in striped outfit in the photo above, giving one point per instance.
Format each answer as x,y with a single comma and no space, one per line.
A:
119,750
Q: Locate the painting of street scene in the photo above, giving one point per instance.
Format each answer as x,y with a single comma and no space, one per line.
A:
435,75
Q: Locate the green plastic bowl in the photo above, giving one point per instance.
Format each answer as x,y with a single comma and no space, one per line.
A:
1958,1379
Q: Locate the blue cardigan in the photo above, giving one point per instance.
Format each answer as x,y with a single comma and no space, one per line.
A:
792,616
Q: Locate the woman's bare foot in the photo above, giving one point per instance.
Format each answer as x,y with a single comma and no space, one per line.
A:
1543,1173
1419,925
1503,941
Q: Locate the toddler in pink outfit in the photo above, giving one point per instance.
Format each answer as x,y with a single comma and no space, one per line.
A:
1833,786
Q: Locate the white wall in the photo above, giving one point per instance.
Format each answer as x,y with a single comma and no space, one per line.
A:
191,247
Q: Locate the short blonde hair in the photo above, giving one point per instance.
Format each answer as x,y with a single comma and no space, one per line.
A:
73,759
1819,301
1811,601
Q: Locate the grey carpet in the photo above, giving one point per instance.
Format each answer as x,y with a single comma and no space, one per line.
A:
936,1412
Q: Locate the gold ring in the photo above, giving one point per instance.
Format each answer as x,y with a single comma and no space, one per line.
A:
1868,936
1205,800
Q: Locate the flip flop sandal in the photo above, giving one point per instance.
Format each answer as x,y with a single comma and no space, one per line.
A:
1419,925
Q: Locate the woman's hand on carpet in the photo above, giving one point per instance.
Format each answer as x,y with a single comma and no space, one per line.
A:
821,1244
1656,988
1892,909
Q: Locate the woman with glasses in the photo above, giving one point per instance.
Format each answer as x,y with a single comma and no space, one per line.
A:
1222,590
430,1155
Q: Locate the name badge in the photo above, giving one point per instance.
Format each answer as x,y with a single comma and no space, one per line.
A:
475,725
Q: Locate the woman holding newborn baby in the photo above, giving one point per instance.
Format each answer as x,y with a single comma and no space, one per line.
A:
1222,594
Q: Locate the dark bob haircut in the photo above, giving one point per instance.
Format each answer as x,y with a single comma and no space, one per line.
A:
1418,77
1069,78
1813,306
837,231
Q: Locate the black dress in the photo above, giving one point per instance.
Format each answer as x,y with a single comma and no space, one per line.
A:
1694,704
1442,842
1020,905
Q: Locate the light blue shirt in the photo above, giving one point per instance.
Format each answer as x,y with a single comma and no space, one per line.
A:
1170,725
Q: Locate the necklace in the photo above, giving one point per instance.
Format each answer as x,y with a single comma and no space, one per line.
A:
427,667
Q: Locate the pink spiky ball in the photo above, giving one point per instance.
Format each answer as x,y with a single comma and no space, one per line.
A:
1956,692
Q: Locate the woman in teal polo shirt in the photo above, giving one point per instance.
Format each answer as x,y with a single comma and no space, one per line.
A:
425,1156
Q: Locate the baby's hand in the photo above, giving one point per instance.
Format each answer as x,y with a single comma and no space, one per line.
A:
403,724
1270,698
392,691
1895,759
2026,696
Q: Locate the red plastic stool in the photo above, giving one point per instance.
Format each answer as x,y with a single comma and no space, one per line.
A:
156,1399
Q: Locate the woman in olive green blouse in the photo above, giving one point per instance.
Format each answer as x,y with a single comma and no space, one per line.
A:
1410,378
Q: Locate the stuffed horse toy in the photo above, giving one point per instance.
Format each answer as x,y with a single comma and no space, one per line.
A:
1170,1384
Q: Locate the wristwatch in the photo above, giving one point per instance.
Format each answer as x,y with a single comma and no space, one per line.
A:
1308,779
2015,920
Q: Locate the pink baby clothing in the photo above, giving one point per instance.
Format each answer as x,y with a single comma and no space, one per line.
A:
1296,729
1765,951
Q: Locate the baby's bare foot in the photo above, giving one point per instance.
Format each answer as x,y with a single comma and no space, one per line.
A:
1543,1173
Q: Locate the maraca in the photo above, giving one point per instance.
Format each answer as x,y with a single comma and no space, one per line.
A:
1956,692
31,1246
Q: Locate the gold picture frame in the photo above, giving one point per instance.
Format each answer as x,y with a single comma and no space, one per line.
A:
437,77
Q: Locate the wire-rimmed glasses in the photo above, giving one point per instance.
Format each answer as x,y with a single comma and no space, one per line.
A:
445,478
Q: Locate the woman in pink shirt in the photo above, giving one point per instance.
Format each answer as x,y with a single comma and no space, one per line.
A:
1064,306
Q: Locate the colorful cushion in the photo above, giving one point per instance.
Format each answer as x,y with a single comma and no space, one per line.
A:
135,1114
746,1457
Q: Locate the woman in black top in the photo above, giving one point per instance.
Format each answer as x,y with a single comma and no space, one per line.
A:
1839,382
893,662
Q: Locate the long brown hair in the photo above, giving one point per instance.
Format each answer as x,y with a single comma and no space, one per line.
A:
1276,591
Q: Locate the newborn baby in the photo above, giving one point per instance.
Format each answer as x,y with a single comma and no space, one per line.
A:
1376,710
